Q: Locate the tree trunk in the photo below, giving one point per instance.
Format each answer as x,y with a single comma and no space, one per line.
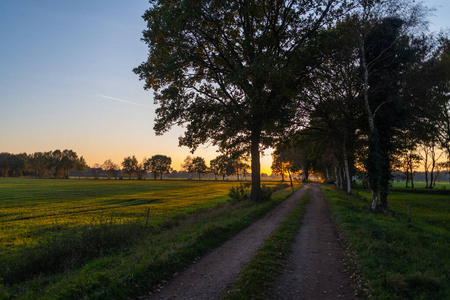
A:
290,178
347,172
373,177
336,178
340,180
407,178
255,194
306,172
160,176
425,164
384,180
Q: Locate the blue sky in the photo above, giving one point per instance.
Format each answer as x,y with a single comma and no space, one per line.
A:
66,65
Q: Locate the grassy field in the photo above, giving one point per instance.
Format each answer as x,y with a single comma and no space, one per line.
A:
30,207
401,260
72,239
443,185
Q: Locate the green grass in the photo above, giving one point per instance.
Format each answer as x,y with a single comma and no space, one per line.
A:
401,260
29,207
421,185
259,275
98,247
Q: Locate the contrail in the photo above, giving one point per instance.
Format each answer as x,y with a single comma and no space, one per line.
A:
121,100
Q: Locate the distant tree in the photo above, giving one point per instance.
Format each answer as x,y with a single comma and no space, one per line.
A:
19,164
96,169
278,166
80,165
199,166
68,162
61,162
223,165
111,168
287,160
213,168
159,165
241,167
187,165
40,162
5,163
410,161
130,165
141,169
431,165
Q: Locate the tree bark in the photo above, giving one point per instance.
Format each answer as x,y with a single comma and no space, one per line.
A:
407,178
373,178
347,172
384,180
290,178
336,178
255,194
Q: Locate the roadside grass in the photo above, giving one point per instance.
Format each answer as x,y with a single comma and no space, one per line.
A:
120,258
259,275
401,260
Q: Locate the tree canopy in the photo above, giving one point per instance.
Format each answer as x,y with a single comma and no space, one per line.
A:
230,70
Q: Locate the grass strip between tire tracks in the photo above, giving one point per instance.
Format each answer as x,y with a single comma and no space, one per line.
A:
259,275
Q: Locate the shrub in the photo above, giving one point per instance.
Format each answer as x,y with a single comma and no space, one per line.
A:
239,193
266,193
242,192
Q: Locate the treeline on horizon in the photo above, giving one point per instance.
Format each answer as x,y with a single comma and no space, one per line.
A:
62,164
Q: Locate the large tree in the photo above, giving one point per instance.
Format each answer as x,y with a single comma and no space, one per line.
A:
229,70
390,48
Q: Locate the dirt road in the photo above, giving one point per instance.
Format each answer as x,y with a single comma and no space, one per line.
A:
315,269
209,277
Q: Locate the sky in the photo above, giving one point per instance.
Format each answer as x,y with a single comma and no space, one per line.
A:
66,81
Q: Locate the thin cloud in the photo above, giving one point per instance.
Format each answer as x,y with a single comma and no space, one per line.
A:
121,100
